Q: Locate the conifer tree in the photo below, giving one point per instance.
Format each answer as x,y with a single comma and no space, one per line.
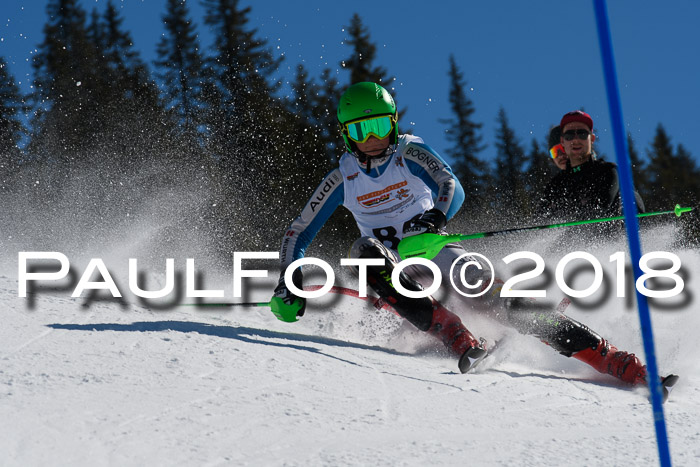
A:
99,122
673,175
661,168
305,90
96,32
462,132
66,74
243,63
92,92
510,159
686,187
309,139
11,127
540,171
639,170
243,66
686,192
181,67
329,96
364,52
119,47
316,104
318,139
251,132
673,179
135,130
361,62
128,73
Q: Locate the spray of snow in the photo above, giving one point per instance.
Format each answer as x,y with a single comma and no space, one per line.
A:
346,385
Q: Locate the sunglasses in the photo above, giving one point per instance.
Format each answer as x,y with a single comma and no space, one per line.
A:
360,131
557,151
580,134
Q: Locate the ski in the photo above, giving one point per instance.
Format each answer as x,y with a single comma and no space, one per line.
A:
667,384
473,356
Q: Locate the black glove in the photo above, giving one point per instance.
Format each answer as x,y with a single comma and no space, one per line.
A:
432,221
291,304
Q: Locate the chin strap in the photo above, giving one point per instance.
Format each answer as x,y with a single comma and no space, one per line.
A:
369,165
364,159
367,159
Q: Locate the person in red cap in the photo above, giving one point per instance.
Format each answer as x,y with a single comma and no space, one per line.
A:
587,187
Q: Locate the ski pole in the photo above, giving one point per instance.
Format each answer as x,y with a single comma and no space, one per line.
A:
224,304
378,303
428,245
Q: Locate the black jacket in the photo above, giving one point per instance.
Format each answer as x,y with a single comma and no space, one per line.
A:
589,191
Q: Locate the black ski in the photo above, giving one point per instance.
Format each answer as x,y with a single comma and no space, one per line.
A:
473,356
667,383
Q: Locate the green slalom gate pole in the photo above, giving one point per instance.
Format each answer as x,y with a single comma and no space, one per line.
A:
428,245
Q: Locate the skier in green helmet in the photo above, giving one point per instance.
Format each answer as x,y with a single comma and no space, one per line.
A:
366,110
396,186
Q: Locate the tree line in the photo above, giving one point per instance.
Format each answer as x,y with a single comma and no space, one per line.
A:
107,131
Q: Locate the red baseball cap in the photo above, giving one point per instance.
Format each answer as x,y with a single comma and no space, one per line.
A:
577,116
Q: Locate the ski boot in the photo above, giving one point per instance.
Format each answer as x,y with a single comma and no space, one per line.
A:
606,358
449,328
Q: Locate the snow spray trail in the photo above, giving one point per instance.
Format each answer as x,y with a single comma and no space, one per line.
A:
613,317
154,224
150,215
609,315
216,387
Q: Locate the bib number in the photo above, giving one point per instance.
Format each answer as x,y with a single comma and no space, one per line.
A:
388,235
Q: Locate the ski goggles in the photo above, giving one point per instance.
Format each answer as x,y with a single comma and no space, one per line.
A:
360,131
580,134
556,151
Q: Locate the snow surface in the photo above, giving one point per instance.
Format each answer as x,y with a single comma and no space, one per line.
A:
115,384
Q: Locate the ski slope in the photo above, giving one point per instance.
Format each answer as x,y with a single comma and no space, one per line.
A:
125,384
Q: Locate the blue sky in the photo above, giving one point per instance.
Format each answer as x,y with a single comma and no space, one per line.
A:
538,59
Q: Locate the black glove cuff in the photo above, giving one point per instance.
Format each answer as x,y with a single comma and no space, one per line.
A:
297,278
436,217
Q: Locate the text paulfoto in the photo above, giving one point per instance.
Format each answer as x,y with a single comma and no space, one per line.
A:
28,273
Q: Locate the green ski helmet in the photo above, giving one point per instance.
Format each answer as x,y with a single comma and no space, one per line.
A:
362,101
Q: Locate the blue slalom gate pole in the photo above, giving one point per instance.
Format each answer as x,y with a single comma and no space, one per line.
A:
632,226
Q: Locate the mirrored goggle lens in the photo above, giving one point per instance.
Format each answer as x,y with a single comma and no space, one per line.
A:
556,151
580,134
362,130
